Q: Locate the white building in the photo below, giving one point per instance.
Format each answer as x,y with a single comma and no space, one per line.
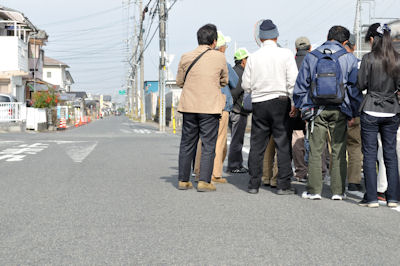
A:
56,73
16,32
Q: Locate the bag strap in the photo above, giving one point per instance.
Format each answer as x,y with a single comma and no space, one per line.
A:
335,55
339,54
194,62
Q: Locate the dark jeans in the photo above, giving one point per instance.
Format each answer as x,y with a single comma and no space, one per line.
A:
237,123
387,126
194,126
270,118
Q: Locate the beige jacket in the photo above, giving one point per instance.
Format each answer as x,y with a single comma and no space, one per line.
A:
201,92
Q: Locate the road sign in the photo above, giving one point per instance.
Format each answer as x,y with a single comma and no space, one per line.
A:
122,92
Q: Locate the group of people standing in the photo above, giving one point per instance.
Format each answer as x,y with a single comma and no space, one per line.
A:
306,108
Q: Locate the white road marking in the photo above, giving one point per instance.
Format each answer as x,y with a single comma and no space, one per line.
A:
16,154
137,131
64,141
78,151
142,131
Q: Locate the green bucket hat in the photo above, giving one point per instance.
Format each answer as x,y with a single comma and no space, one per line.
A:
241,53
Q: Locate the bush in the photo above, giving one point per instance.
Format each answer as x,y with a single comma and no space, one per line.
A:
44,99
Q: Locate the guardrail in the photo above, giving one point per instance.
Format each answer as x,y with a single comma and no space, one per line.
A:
10,112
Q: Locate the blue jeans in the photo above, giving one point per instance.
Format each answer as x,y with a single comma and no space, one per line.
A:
387,126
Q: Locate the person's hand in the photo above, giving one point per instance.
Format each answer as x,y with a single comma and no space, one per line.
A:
293,112
350,123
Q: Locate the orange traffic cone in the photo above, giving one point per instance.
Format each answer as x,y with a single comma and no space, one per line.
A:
80,121
76,123
63,123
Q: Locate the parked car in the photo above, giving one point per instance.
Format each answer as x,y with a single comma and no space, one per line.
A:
6,98
6,112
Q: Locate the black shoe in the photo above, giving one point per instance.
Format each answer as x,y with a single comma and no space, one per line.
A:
253,190
241,170
289,191
354,187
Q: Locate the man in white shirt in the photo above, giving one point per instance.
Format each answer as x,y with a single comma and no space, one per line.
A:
270,76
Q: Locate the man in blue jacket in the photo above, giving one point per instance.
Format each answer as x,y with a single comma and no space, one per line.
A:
328,117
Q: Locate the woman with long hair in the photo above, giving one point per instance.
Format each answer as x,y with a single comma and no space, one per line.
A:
379,74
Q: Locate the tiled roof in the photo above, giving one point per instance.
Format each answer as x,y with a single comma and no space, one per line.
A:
53,62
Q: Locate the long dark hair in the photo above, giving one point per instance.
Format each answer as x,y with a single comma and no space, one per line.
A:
382,48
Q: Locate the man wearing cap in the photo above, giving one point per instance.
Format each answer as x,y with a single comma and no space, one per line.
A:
269,76
353,147
238,116
221,147
297,125
201,104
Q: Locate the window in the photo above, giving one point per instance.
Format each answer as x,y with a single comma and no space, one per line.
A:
49,74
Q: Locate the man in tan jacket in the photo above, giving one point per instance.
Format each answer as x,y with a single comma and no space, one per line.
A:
201,73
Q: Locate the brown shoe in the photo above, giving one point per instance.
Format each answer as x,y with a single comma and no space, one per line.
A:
219,180
185,185
205,187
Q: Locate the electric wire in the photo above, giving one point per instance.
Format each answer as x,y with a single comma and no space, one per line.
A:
72,20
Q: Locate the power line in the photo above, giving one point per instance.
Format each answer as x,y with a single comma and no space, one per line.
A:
72,20
107,26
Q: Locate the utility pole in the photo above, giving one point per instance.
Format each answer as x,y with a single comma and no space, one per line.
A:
141,48
162,68
135,99
357,28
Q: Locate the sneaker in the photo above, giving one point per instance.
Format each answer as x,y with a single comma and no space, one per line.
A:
205,187
241,170
307,195
185,185
391,204
364,203
339,197
381,196
354,187
219,180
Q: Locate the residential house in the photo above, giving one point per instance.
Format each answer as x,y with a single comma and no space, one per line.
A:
56,73
16,47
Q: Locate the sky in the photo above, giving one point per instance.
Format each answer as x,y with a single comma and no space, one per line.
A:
92,36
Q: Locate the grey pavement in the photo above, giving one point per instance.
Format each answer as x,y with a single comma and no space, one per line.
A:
105,194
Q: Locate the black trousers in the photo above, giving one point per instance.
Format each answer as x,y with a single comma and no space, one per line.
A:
270,118
237,124
194,126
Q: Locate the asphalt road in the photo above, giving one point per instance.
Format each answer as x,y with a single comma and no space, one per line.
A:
105,193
